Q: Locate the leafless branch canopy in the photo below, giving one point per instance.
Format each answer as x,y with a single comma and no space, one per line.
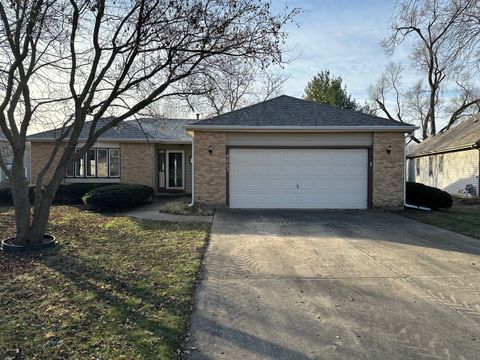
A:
65,62
445,54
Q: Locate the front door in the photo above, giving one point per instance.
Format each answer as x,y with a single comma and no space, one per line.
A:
175,169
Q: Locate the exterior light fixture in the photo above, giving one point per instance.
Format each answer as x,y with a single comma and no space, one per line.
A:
389,149
210,150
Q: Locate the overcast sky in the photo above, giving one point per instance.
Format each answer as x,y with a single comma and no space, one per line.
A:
342,36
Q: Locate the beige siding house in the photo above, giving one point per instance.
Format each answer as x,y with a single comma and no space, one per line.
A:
148,151
449,160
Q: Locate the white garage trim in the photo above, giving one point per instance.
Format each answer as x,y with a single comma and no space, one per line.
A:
344,181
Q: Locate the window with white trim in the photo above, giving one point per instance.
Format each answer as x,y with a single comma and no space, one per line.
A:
97,163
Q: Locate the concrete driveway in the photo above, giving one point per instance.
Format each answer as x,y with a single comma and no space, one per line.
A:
336,285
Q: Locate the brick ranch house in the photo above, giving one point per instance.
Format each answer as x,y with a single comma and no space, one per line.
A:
280,153
148,151
449,160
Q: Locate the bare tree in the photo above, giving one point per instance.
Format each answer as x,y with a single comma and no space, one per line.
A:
388,83
233,84
439,55
69,61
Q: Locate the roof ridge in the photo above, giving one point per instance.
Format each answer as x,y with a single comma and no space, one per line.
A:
247,107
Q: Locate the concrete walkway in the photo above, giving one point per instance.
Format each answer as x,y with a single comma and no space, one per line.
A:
152,212
336,285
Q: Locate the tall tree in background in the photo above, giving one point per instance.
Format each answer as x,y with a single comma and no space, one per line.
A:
69,61
326,88
234,84
445,56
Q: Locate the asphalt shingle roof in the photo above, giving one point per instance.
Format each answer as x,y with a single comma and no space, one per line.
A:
289,111
463,136
153,129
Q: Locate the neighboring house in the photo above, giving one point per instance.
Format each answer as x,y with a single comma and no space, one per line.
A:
291,153
449,160
7,155
149,151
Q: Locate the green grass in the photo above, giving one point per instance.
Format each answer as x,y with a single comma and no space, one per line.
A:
115,288
463,217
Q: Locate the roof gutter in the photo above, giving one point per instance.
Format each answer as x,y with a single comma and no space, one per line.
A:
100,140
408,129
448,150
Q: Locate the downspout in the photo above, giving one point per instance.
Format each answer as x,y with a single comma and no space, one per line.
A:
405,182
193,173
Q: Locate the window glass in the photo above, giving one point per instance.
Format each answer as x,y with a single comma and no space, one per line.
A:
80,167
430,166
418,166
102,163
91,163
114,161
440,164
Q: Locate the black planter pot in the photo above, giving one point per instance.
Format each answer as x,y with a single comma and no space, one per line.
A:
8,247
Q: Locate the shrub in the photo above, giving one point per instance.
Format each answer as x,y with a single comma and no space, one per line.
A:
73,193
118,197
6,195
427,196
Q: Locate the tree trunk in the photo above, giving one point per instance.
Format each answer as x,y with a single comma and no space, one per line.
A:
21,199
31,227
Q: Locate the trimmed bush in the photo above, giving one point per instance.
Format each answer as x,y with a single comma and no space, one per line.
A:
73,193
6,195
118,197
427,196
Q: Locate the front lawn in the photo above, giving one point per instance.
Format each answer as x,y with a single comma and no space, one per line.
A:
115,288
463,217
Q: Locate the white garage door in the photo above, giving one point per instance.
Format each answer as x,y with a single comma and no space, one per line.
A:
299,179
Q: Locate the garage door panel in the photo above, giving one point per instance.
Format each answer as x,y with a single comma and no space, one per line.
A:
289,157
273,170
340,170
345,184
357,170
323,170
298,178
323,184
306,184
273,157
289,184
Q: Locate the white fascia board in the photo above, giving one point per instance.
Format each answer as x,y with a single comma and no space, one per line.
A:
301,128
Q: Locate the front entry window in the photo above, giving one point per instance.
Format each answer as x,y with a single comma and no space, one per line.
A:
161,169
175,165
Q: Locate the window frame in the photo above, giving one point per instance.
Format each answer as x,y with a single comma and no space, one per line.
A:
430,166
441,163
87,163
418,166
119,163
84,157
107,158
